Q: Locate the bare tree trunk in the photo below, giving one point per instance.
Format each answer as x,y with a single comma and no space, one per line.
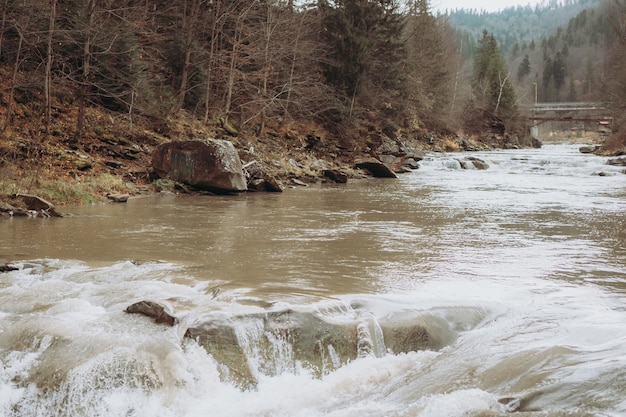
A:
16,67
48,75
189,20
502,84
231,72
84,85
211,60
236,40
267,65
5,5
293,63
456,79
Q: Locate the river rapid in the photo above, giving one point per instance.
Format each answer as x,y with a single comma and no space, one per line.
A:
516,273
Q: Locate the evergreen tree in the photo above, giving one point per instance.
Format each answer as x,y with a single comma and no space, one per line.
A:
364,37
559,70
515,49
430,57
524,68
491,84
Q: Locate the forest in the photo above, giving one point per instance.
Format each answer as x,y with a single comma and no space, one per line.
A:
564,51
245,62
341,67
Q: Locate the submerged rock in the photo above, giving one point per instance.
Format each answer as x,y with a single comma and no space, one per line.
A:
478,163
152,310
8,268
617,162
588,149
472,163
262,342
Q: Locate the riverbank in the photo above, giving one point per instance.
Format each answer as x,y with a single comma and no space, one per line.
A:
114,154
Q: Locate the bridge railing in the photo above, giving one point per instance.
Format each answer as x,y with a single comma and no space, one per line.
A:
565,106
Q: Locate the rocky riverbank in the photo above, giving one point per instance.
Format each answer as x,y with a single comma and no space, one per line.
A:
115,157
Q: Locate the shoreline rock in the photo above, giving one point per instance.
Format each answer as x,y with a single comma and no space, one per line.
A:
28,205
118,198
211,164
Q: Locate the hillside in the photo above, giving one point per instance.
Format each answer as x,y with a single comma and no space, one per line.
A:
114,155
520,25
88,91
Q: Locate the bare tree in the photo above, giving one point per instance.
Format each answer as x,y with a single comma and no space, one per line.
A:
502,84
5,6
88,27
189,20
16,67
48,70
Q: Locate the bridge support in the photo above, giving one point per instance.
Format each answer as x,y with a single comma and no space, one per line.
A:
534,132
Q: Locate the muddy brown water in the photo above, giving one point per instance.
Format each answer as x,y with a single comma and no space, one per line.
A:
519,270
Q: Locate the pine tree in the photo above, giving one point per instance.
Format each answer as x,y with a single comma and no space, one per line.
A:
491,84
365,40
524,68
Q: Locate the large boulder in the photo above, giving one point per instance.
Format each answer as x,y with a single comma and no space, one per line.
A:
36,205
376,168
211,164
588,149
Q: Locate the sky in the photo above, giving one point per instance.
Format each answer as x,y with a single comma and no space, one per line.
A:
488,5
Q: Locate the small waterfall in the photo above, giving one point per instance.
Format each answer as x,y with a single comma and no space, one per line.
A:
249,336
281,354
364,346
267,351
370,338
334,358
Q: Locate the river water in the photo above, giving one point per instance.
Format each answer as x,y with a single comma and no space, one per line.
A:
516,273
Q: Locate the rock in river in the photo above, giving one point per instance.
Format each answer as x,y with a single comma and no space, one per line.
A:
617,162
153,310
210,164
250,343
118,198
376,168
37,204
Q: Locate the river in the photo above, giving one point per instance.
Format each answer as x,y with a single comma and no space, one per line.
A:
517,274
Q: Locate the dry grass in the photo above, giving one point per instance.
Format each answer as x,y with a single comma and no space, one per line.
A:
87,189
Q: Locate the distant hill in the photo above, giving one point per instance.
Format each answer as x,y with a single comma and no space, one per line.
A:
554,51
521,24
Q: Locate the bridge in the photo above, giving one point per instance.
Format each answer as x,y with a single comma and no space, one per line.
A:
582,112
572,111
